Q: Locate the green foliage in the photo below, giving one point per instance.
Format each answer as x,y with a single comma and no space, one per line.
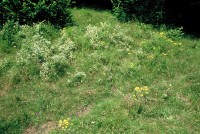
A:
7,36
29,11
39,53
77,79
14,126
148,11
160,12
111,77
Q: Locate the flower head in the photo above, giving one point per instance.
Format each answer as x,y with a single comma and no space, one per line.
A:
145,88
64,124
141,91
162,34
137,89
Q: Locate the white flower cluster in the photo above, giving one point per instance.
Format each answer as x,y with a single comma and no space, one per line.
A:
119,36
45,54
92,32
98,34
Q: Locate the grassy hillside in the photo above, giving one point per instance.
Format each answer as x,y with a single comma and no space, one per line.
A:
106,76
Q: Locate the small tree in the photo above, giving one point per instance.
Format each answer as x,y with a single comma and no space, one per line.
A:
56,12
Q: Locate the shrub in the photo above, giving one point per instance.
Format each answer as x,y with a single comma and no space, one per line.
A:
148,11
42,57
106,35
159,12
7,36
28,11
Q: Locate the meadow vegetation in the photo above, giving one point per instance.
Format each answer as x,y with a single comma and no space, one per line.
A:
98,76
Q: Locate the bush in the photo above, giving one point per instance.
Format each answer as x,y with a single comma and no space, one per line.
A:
148,11
29,11
7,36
184,13
42,57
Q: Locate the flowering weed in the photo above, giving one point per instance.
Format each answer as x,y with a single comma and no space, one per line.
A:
140,97
64,124
50,58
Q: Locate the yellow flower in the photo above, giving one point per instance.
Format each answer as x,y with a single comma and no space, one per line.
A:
162,33
64,123
137,89
145,88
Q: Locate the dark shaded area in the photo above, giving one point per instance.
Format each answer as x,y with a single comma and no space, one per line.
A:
185,13
99,4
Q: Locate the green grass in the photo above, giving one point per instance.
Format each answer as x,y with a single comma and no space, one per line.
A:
91,79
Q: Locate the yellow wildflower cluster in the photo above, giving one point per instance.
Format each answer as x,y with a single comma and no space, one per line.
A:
140,92
162,35
64,124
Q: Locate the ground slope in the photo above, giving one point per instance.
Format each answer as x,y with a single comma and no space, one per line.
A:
106,76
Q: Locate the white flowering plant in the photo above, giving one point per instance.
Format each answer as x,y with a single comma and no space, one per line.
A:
49,58
105,35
